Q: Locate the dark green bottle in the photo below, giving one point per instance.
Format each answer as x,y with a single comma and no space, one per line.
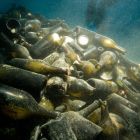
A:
15,50
22,79
18,104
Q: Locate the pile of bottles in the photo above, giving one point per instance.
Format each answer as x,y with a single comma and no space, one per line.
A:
63,83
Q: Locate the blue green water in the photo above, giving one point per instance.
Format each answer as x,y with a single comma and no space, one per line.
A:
118,19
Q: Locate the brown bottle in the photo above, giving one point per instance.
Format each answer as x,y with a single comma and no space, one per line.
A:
103,85
69,52
110,122
125,112
87,67
46,104
95,116
109,129
36,65
107,59
78,87
119,122
108,43
17,104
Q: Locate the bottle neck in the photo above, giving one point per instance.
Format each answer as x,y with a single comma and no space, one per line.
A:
89,109
46,114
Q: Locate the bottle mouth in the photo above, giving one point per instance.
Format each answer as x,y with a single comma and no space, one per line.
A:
80,74
100,49
83,40
13,25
